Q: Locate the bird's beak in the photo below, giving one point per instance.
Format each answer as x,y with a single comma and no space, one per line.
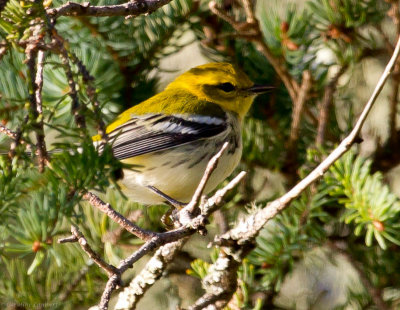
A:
259,89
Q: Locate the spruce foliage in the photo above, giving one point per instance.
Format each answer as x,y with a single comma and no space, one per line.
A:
100,66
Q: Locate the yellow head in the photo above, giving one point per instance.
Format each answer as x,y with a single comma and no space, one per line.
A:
220,83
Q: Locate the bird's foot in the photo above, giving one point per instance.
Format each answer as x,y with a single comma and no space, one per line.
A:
170,217
171,201
167,220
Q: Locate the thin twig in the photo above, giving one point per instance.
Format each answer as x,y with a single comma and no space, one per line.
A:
69,239
76,108
31,55
217,199
212,164
221,14
297,113
127,263
79,237
394,13
117,217
109,289
11,134
115,235
36,103
252,32
389,46
291,85
132,8
325,105
16,137
17,141
35,82
3,51
39,81
248,8
394,101
88,80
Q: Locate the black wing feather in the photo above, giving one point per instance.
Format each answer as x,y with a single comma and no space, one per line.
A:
138,138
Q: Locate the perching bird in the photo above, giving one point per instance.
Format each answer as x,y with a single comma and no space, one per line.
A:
170,137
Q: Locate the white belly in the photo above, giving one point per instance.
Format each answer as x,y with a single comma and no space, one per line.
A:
176,174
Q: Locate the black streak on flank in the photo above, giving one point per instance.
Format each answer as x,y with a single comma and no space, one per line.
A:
198,161
179,163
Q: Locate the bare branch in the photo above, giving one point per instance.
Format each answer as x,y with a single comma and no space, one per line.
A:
132,8
39,81
111,285
3,51
76,108
16,137
117,217
297,113
11,134
394,101
248,8
38,85
88,80
291,85
153,270
70,239
394,14
212,164
109,269
221,14
128,263
35,82
389,46
252,32
216,200
38,127
325,105
221,281
114,236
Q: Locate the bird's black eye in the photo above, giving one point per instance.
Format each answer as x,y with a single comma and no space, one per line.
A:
226,87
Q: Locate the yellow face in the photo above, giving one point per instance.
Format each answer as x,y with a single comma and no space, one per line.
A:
220,83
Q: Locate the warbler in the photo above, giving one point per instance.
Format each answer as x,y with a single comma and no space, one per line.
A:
171,137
